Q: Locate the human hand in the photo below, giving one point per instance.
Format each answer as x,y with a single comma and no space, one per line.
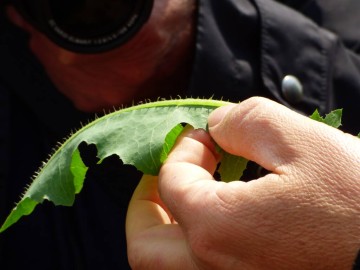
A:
305,214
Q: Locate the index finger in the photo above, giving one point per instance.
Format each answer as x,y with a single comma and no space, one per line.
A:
187,174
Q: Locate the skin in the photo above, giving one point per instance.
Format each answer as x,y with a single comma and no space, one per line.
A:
305,214
156,59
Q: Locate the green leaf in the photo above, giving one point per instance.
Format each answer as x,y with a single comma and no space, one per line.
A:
78,170
332,119
232,167
24,207
316,116
170,141
141,135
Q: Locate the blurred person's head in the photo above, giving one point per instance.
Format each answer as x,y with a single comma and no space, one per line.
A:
106,53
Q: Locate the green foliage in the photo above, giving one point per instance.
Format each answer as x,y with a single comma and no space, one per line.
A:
332,119
141,135
228,163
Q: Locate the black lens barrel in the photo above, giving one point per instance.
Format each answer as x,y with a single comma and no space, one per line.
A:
86,26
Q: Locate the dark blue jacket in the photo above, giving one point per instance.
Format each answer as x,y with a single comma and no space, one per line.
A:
243,48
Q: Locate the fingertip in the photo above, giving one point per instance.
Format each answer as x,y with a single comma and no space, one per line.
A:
204,137
218,115
14,16
196,147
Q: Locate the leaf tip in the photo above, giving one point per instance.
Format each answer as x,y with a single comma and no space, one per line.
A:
23,208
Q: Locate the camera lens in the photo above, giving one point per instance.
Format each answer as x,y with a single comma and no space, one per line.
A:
91,18
86,26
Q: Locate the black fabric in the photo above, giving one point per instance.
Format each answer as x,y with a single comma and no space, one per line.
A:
243,48
357,262
246,48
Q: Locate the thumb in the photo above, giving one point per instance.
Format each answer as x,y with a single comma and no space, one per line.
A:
260,130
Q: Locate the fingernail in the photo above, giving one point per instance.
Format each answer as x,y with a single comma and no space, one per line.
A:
217,115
